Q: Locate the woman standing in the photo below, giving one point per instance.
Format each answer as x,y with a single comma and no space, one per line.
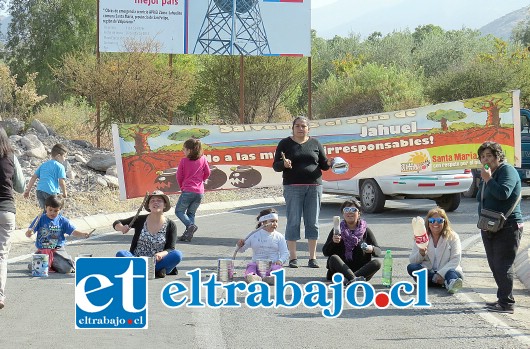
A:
301,158
154,235
346,252
500,189
442,255
11,177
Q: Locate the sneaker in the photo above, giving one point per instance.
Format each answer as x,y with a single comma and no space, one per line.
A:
490,304
313,263
188,233
252,278
2,304
454,285
174,271
355,279
293,263
497,308
160,274
269,280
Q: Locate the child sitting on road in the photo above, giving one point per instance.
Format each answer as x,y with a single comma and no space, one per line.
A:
268,245
51,228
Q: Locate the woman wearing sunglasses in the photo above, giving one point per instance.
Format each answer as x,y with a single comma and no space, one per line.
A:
350,252
442,255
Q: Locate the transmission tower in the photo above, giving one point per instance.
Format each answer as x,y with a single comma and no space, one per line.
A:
228,32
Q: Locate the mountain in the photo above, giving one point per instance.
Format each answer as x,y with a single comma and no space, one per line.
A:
502,27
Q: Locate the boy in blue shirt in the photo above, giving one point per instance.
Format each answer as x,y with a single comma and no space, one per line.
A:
51,228
51,175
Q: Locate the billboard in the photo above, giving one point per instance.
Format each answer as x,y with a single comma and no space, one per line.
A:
255,28
419,140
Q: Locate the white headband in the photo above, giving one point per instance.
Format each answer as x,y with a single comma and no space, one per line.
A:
268,216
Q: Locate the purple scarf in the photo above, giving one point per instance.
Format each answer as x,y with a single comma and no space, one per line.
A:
352,238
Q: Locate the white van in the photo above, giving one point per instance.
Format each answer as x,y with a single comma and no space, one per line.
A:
443,187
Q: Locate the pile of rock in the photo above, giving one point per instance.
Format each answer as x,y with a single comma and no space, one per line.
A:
88,168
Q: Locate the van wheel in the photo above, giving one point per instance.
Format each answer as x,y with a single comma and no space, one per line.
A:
372,198
449,202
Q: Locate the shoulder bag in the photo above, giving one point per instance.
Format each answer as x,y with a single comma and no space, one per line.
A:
492,221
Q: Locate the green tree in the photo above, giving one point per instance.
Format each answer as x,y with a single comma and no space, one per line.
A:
443,116
136,87
41,32
493,105
269,82
521,32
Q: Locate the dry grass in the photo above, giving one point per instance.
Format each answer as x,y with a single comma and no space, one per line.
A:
105,200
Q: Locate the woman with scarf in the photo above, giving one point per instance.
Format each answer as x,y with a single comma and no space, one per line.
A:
350,252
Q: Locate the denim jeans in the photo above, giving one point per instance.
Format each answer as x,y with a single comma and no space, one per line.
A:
501,248
449,275
187,206
41,197
7,225
302,200
170,261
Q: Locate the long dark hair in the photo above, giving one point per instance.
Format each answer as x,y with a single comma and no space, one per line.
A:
194,145
5,146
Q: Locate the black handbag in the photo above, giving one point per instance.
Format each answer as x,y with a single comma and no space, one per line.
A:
493,221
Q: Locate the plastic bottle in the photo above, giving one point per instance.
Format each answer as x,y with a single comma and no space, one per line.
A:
387,269
336,225
420,233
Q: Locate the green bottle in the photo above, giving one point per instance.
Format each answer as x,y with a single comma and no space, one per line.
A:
387,269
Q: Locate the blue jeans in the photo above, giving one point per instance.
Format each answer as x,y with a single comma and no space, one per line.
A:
449,275
41,197
302,200
169,262
187,206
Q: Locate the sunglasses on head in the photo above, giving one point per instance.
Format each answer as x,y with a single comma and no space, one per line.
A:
436,220
349,210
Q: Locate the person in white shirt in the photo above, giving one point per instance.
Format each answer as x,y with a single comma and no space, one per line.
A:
268,247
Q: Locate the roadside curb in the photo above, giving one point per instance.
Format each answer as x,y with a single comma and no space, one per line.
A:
106,220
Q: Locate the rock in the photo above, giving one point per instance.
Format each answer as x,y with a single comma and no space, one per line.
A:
39,127
82,143
100,180
101,162
112,171
34,147
12,126
80,158
112,181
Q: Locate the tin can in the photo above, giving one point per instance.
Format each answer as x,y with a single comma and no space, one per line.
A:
225,270
40,265
263,266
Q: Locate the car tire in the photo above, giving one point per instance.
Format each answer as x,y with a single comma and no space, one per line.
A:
372,198
449,202
473,189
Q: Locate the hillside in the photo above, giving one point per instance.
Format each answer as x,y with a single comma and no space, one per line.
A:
502,27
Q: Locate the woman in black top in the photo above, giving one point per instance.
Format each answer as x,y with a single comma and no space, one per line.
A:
346,252
301,159
154,235
11,177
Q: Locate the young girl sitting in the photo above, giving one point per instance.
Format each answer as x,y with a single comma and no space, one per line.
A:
266,244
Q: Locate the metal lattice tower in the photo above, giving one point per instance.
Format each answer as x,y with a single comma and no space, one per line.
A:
228,32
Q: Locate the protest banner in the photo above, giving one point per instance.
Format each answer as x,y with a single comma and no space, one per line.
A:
420,140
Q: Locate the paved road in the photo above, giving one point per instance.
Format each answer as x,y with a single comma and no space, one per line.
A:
40,311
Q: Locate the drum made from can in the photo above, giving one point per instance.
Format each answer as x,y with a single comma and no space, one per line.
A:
225,270
263,266
151,264
40,265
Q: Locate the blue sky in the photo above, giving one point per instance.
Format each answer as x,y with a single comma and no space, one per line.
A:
339,17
